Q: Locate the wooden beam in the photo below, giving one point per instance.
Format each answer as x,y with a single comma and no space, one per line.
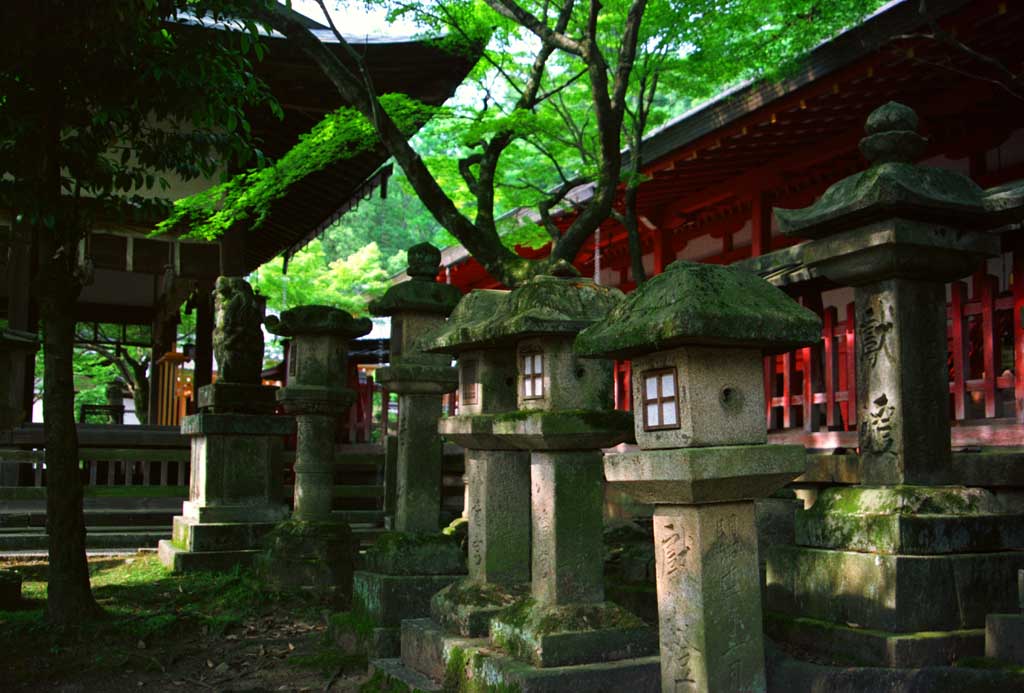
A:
761,224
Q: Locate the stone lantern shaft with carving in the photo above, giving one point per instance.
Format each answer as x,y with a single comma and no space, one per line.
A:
697,335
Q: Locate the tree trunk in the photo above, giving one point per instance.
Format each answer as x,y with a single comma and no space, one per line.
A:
69,599
632,223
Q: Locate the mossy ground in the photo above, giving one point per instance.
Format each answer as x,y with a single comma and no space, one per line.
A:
166,632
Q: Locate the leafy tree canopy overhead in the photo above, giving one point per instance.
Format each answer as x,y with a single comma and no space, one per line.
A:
560,90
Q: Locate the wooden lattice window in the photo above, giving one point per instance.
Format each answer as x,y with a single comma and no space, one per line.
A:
531,368
661,407
469,382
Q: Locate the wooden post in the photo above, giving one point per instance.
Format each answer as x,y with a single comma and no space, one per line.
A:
831,362
989,286
851,365
769,391
787,389
761,224
958,293
1018,329
203,364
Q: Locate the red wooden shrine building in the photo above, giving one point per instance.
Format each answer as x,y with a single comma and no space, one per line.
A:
715,173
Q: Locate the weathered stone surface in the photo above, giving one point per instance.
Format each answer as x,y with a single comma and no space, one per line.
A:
318,320
316,556
891,592
569,382
426,648
709,601
499,521
466,607
318,401
237,337
10,590
237,425
462,331
487,381
564,430
181,561
698,304
401,553
410,378
909,520
718,392
486,670
891,186
846,645
418,466
1004,637
422,293
246,398
190,535
388,599
902,384
237,476
566,500
704,475
314,467
548,635
473,431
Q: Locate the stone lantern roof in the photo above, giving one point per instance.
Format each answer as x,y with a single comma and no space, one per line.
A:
465,329
562,303
421,294
705,305
892,186
314,319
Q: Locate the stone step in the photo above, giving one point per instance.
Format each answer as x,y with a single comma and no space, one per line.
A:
95,538
426,647
189,561
392,675
95,518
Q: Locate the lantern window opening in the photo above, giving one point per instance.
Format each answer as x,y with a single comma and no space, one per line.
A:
531,368
469,382
660,404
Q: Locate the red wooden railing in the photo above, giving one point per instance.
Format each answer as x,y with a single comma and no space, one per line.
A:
816,386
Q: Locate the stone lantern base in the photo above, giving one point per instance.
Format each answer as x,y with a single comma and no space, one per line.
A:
235,490
310,555
896,576
402,573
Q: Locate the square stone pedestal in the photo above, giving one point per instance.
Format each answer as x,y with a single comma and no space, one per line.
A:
403,572
432,660
898,576
235,492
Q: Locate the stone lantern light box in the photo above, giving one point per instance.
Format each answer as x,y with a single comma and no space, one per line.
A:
697,347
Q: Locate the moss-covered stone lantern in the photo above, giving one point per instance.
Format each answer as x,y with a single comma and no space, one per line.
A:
313,549
697,335
420,379
564,417
498,473
904,568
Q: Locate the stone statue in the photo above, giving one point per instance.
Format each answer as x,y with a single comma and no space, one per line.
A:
237,335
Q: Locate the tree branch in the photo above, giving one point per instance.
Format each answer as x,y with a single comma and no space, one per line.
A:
513,11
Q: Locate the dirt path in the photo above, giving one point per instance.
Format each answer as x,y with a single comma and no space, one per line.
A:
160,638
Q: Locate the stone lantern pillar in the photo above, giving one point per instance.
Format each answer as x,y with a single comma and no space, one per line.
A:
14,344
564,418
420,379
498,473
697,335
235,489
901,571
314,549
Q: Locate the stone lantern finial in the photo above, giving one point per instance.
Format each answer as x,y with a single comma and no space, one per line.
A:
892,135
424,261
